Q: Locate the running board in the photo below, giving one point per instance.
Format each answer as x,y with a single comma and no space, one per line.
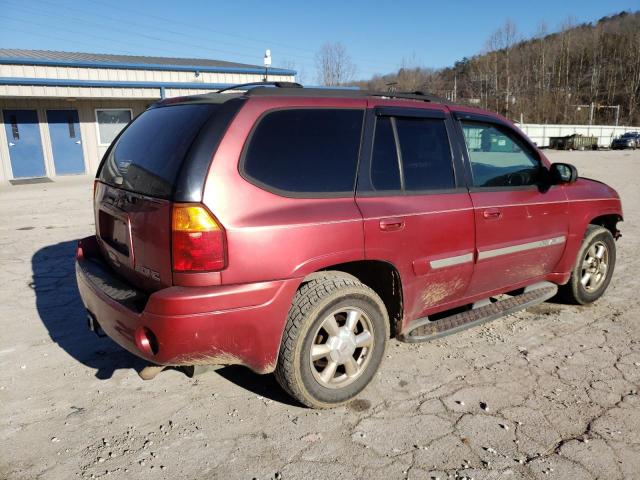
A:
424,329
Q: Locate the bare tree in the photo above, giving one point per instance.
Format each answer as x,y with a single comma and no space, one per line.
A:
547,78
410,75
301,74
334,65
509,38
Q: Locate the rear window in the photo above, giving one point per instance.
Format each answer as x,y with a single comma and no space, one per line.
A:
305,151
150,152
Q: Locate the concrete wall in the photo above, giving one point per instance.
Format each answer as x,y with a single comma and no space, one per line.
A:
540,133
92,151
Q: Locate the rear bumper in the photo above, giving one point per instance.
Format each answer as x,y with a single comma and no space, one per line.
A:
233,324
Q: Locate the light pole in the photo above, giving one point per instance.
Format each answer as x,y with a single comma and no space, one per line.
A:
267,64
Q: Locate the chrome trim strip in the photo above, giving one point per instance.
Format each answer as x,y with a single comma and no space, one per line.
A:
451,261
554,202
521,247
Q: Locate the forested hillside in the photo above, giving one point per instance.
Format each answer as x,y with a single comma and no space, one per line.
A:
552,78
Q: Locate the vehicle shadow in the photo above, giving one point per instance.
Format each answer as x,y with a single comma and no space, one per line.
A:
63,314
263,385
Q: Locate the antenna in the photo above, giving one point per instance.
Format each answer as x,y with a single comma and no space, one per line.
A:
267,63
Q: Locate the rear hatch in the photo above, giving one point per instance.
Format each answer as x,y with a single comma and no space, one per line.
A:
160,158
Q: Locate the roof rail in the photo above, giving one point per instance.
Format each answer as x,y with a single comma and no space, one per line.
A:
416,95
292,89
257,84
295,89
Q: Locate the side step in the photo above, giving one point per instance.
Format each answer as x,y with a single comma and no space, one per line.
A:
424,329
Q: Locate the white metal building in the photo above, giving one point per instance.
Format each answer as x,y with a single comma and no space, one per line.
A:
541,134
59,111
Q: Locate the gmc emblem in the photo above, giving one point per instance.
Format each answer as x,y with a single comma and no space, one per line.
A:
147,272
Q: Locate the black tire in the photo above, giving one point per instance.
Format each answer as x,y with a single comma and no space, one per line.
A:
574,291
315,301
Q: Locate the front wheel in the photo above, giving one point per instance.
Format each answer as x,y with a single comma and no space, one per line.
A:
593,269
334,341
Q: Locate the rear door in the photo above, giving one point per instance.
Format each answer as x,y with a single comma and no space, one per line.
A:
521,223
417,212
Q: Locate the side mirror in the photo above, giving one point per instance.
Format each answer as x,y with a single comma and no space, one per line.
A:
563,173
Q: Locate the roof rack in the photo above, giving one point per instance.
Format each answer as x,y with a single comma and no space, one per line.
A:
295,89
416,95
261,84
292,89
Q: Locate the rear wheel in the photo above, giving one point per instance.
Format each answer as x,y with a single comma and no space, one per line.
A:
334,341
593,269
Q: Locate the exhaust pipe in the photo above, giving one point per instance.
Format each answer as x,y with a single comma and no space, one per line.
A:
94,326
151,371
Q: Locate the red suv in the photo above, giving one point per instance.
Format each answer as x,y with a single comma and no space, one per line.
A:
296,230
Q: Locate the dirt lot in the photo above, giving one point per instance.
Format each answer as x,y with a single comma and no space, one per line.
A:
560,383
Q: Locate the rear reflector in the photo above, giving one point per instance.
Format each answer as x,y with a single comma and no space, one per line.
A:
198,240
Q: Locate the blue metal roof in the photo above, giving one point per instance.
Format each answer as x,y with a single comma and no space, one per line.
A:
134,62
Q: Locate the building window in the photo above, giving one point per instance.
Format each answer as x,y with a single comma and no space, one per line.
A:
110,121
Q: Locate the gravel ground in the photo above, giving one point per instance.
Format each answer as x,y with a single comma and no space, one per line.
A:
547,393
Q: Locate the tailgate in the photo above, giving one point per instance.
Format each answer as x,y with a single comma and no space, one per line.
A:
134,234
138,180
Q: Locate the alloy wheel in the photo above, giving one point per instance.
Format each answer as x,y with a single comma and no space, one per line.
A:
594,266
341,347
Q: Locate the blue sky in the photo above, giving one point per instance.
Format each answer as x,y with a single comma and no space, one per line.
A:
378,38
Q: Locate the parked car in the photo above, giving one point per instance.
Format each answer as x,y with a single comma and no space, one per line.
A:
626,140
296,231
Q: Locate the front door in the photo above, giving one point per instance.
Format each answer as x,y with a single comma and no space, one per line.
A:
521,223
66,142
25,145
417,212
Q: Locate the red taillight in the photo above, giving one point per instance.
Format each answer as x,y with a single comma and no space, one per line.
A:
198,240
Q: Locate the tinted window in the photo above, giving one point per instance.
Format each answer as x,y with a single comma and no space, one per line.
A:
148,155
305,150
385,174
424,150
426,155
498,158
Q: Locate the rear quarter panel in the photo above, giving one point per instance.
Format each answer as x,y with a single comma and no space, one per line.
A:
270,236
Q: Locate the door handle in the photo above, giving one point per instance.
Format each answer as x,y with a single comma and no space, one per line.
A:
78,142
492,214
391,224
11,144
